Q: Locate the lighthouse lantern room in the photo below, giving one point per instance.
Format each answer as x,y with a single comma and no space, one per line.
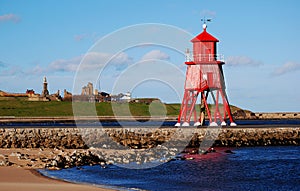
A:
204,81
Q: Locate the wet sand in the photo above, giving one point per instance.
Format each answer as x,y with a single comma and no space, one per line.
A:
15,178
24,177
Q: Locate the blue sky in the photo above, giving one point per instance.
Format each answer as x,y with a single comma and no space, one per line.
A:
260,41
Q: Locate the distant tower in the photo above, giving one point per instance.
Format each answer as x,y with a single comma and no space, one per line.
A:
45,91
90,88
204,78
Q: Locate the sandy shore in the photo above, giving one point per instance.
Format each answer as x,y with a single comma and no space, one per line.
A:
24,177
14,178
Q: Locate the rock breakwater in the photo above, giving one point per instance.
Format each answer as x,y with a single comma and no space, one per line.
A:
48,158
65,138
144,138
69,147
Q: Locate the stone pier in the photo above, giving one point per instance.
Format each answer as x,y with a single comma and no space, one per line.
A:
147,137
65,147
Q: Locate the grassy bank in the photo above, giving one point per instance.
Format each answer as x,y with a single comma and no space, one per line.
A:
20,107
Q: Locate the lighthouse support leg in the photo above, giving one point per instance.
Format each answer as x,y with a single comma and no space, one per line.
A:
182,112
192,109
227,107
187,108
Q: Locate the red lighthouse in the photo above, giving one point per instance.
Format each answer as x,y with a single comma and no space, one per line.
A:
204,79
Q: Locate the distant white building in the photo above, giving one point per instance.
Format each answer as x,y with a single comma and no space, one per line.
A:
126,97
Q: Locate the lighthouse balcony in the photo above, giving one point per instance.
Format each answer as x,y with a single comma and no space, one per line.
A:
204,58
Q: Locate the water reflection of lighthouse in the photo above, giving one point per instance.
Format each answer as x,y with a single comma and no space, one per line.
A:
204,79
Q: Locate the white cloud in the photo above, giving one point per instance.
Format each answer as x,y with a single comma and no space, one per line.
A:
36,70
11,71
121,58
80,37
286,68
9,17
242,61
94,60
156,54
64,65
208,13
89,61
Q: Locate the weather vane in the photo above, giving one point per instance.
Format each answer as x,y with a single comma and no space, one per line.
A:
204,20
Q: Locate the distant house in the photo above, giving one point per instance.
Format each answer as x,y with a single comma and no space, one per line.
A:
103,97
126,97
121,97
67,96
32,96
30,93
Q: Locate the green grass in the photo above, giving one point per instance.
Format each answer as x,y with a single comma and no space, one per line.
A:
20,107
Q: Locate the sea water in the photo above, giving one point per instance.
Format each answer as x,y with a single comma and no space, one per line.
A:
248,168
